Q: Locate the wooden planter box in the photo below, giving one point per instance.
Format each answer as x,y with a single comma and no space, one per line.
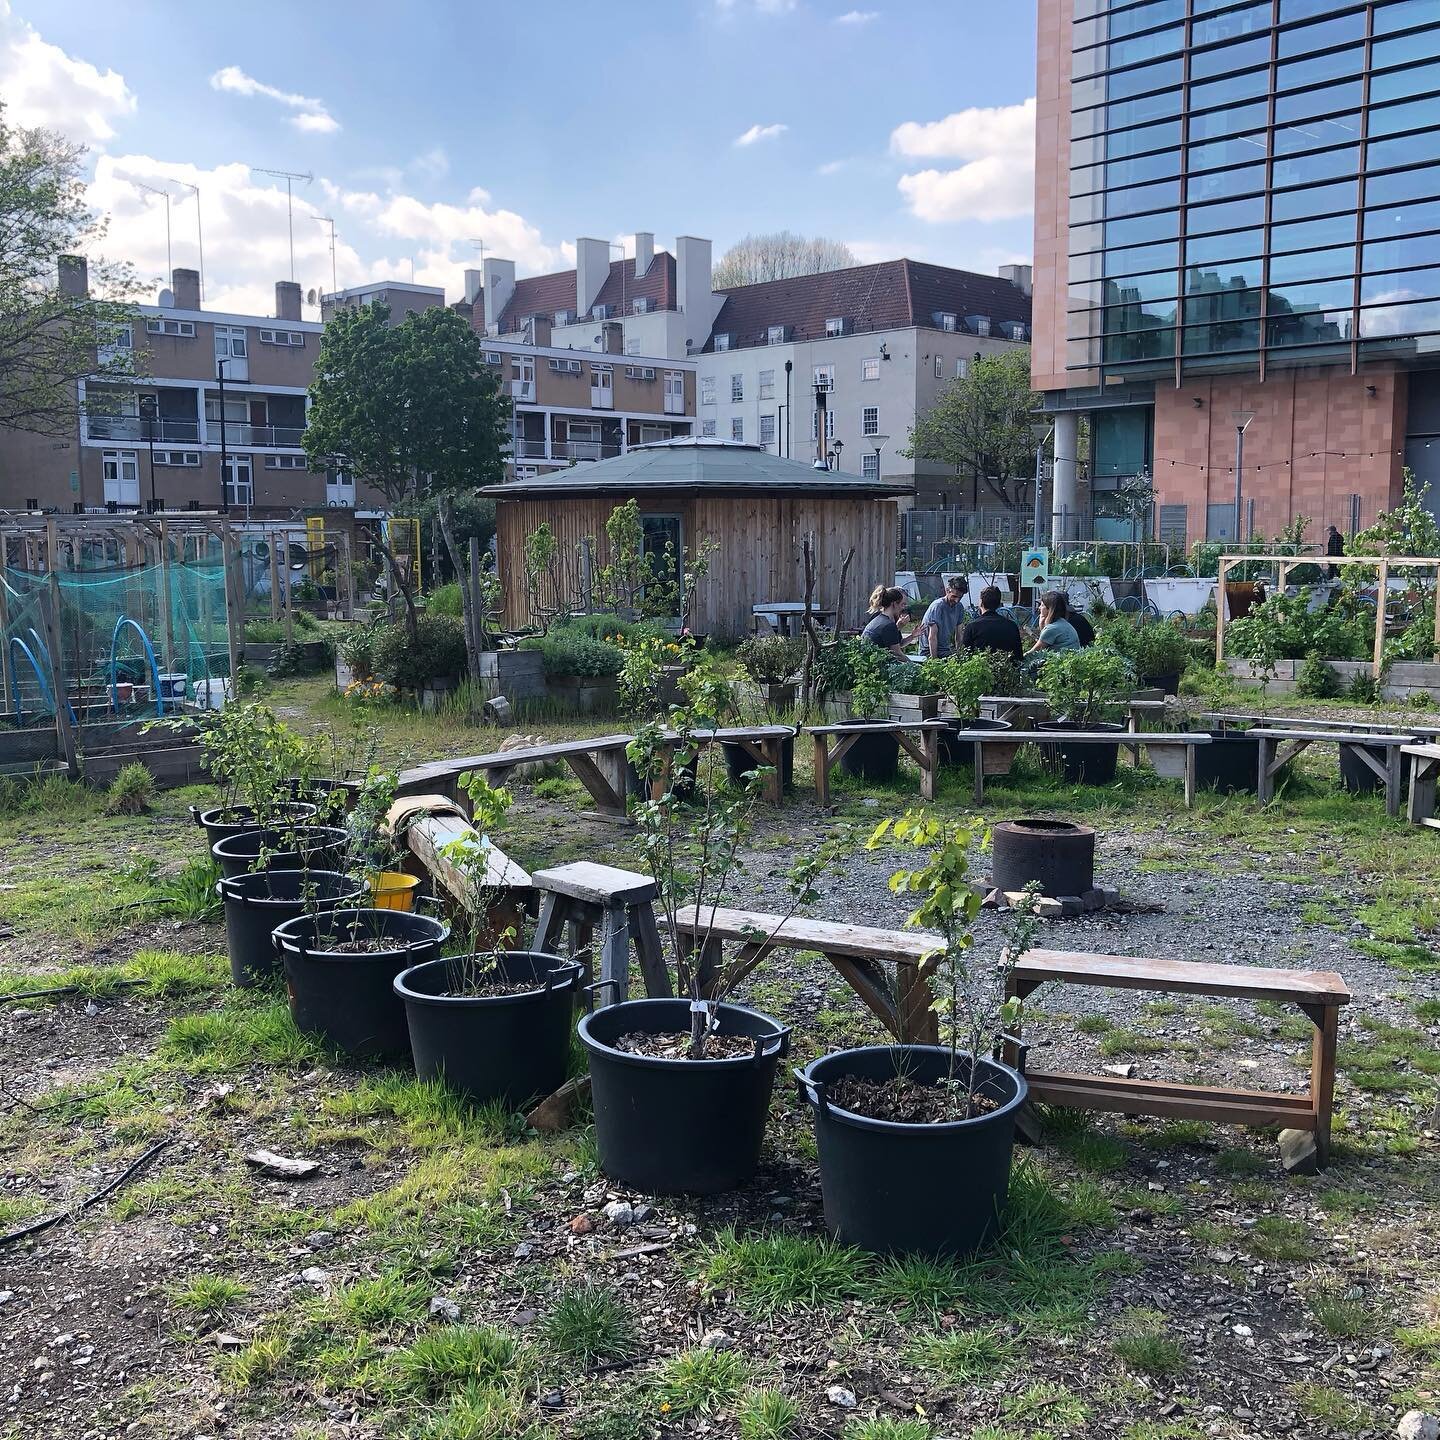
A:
1402,680
914,707
584,694
434,693
779,697
518,675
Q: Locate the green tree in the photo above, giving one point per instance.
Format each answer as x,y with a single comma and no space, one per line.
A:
984,425
48,339
413,410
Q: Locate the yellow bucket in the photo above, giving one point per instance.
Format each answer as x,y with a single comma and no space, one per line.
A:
393,890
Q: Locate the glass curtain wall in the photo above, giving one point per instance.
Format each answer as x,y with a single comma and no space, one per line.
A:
1253,184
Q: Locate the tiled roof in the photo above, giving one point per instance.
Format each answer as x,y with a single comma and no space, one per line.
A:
894,294
545,294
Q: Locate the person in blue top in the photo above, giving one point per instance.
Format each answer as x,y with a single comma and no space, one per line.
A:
944,618
1057,634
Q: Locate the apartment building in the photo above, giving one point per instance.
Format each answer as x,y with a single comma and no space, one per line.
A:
216,417
870,347
1237,226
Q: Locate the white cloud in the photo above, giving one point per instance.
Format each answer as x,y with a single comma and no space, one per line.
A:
760,7
830,167
42,85
312,115
857,17
757,133
996,180
432,164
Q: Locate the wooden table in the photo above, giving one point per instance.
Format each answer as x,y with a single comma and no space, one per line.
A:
599,763
1359,743
763,743
1424,769
787,616
1318,993
925,753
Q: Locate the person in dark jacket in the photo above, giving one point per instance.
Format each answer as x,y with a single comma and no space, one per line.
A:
1334,545
887,605
1083,628
992,630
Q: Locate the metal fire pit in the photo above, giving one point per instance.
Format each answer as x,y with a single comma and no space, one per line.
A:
1057,854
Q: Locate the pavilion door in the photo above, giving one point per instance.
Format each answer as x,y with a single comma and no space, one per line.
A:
663,545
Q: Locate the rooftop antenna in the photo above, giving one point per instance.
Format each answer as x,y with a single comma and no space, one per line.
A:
165,195
199,235
326,220
479,244
288,176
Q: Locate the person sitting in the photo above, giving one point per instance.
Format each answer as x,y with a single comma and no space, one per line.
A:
992,630
887,605
943,619
1083,628
1057,634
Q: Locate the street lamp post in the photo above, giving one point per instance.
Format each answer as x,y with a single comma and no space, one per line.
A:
880,442
1242,420
148,404
224,447
835,454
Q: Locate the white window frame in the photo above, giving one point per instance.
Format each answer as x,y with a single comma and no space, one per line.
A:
939,367
737,389
707,427
707,389
815,424
870,465
285,462
287,338
737,428
949,323
825,376
239,492
962,368
767,385
835,325
775,335
767,429
177,459
120,470
722,342
870,368
870,420
231,343
158,325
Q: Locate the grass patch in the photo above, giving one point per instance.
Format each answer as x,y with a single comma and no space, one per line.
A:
767,1415
1332,1407
439,1364
1336,1314
782,1272
1275,1237
885,1428
241,1032
1130,1042
924,1286
1046,1403
962,1356
208,1296
1143,1343
698,1382
588,1323
389,1300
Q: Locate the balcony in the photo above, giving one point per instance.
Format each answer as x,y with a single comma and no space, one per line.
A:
529,449
242,432
137,430
522,389
584,450
674,404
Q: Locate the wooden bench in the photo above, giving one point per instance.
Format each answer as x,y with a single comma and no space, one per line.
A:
1172,754
599,763
925,753
763,743
1424,770
1281,744
1311,722
860,953
1318,993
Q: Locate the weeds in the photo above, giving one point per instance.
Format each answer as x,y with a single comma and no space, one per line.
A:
697,1382
208,1296
782,1272
767,1415
1144,1344
962,1356
588,1323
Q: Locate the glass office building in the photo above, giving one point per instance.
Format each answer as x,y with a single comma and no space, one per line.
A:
1253,185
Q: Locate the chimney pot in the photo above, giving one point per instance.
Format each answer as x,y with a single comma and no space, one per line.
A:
186,287
74,275
287,300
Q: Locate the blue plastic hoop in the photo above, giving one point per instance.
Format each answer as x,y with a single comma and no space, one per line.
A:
120,624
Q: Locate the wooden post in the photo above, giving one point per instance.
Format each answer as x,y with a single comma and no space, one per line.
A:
274,582
1381,595
1322,1076
1436,648
345,557
287,591
234,610
1220,614
166,599
50,611
822,770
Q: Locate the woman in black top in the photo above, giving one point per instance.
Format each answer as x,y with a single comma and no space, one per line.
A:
887,605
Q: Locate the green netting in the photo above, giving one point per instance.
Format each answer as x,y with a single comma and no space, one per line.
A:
130,641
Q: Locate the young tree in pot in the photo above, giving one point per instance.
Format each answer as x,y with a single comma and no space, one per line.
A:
915,1141
873,756
770,661
962,679
491,1021
681,1086
1157,649
1086,689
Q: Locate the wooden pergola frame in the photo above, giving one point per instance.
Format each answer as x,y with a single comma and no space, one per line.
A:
1286,563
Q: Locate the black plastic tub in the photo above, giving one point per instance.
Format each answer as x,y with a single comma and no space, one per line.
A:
1167,684
231,820
680,1127
1089,764
739,761
304,847
874,756
511,1048
1230,763
901,1189
256,904
347,998
1360,779
954,752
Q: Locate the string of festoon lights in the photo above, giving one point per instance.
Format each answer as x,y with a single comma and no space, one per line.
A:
1272,464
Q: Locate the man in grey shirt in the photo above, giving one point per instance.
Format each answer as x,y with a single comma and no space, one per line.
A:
943,619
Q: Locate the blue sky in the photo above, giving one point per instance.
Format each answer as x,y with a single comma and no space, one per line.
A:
900,128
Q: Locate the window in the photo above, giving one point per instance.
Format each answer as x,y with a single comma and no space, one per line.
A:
494,357
824,377
526,472
121,471
282,337
939,367
776,334
177,457
119,337
239,481
870,420
707,428
737,389
230,343
767,429
722,342
815,424
707,389
285,462
737,428
870,368
947,321
962,368
870,465
767,384
835,326
183,328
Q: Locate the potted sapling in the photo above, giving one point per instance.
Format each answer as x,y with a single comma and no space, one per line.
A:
681,1082
770,662
875,754
492,1021
1086,690
962,679
915,1141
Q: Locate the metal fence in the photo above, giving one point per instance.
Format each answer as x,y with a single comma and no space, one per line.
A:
936,540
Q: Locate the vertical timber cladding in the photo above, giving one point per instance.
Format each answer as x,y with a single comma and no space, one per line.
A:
759,556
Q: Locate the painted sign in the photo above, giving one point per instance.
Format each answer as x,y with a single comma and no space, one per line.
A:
1035,568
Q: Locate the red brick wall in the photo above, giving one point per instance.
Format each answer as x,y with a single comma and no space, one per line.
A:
1318,437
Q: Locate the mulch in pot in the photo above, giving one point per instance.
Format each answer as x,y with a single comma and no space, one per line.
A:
675,1045
904,1101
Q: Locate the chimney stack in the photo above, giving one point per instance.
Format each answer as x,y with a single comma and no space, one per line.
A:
74,276
592,270
474,283
644,251
1018,276
186,286
692,285
287,300
499,289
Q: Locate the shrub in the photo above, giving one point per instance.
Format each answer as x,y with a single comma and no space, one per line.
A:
965,677
1156,647
131,790
437,652
771,659
570,652
1283,627
608,627
1364,688
294,657
357,650
445,600
1083,686
1315,680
